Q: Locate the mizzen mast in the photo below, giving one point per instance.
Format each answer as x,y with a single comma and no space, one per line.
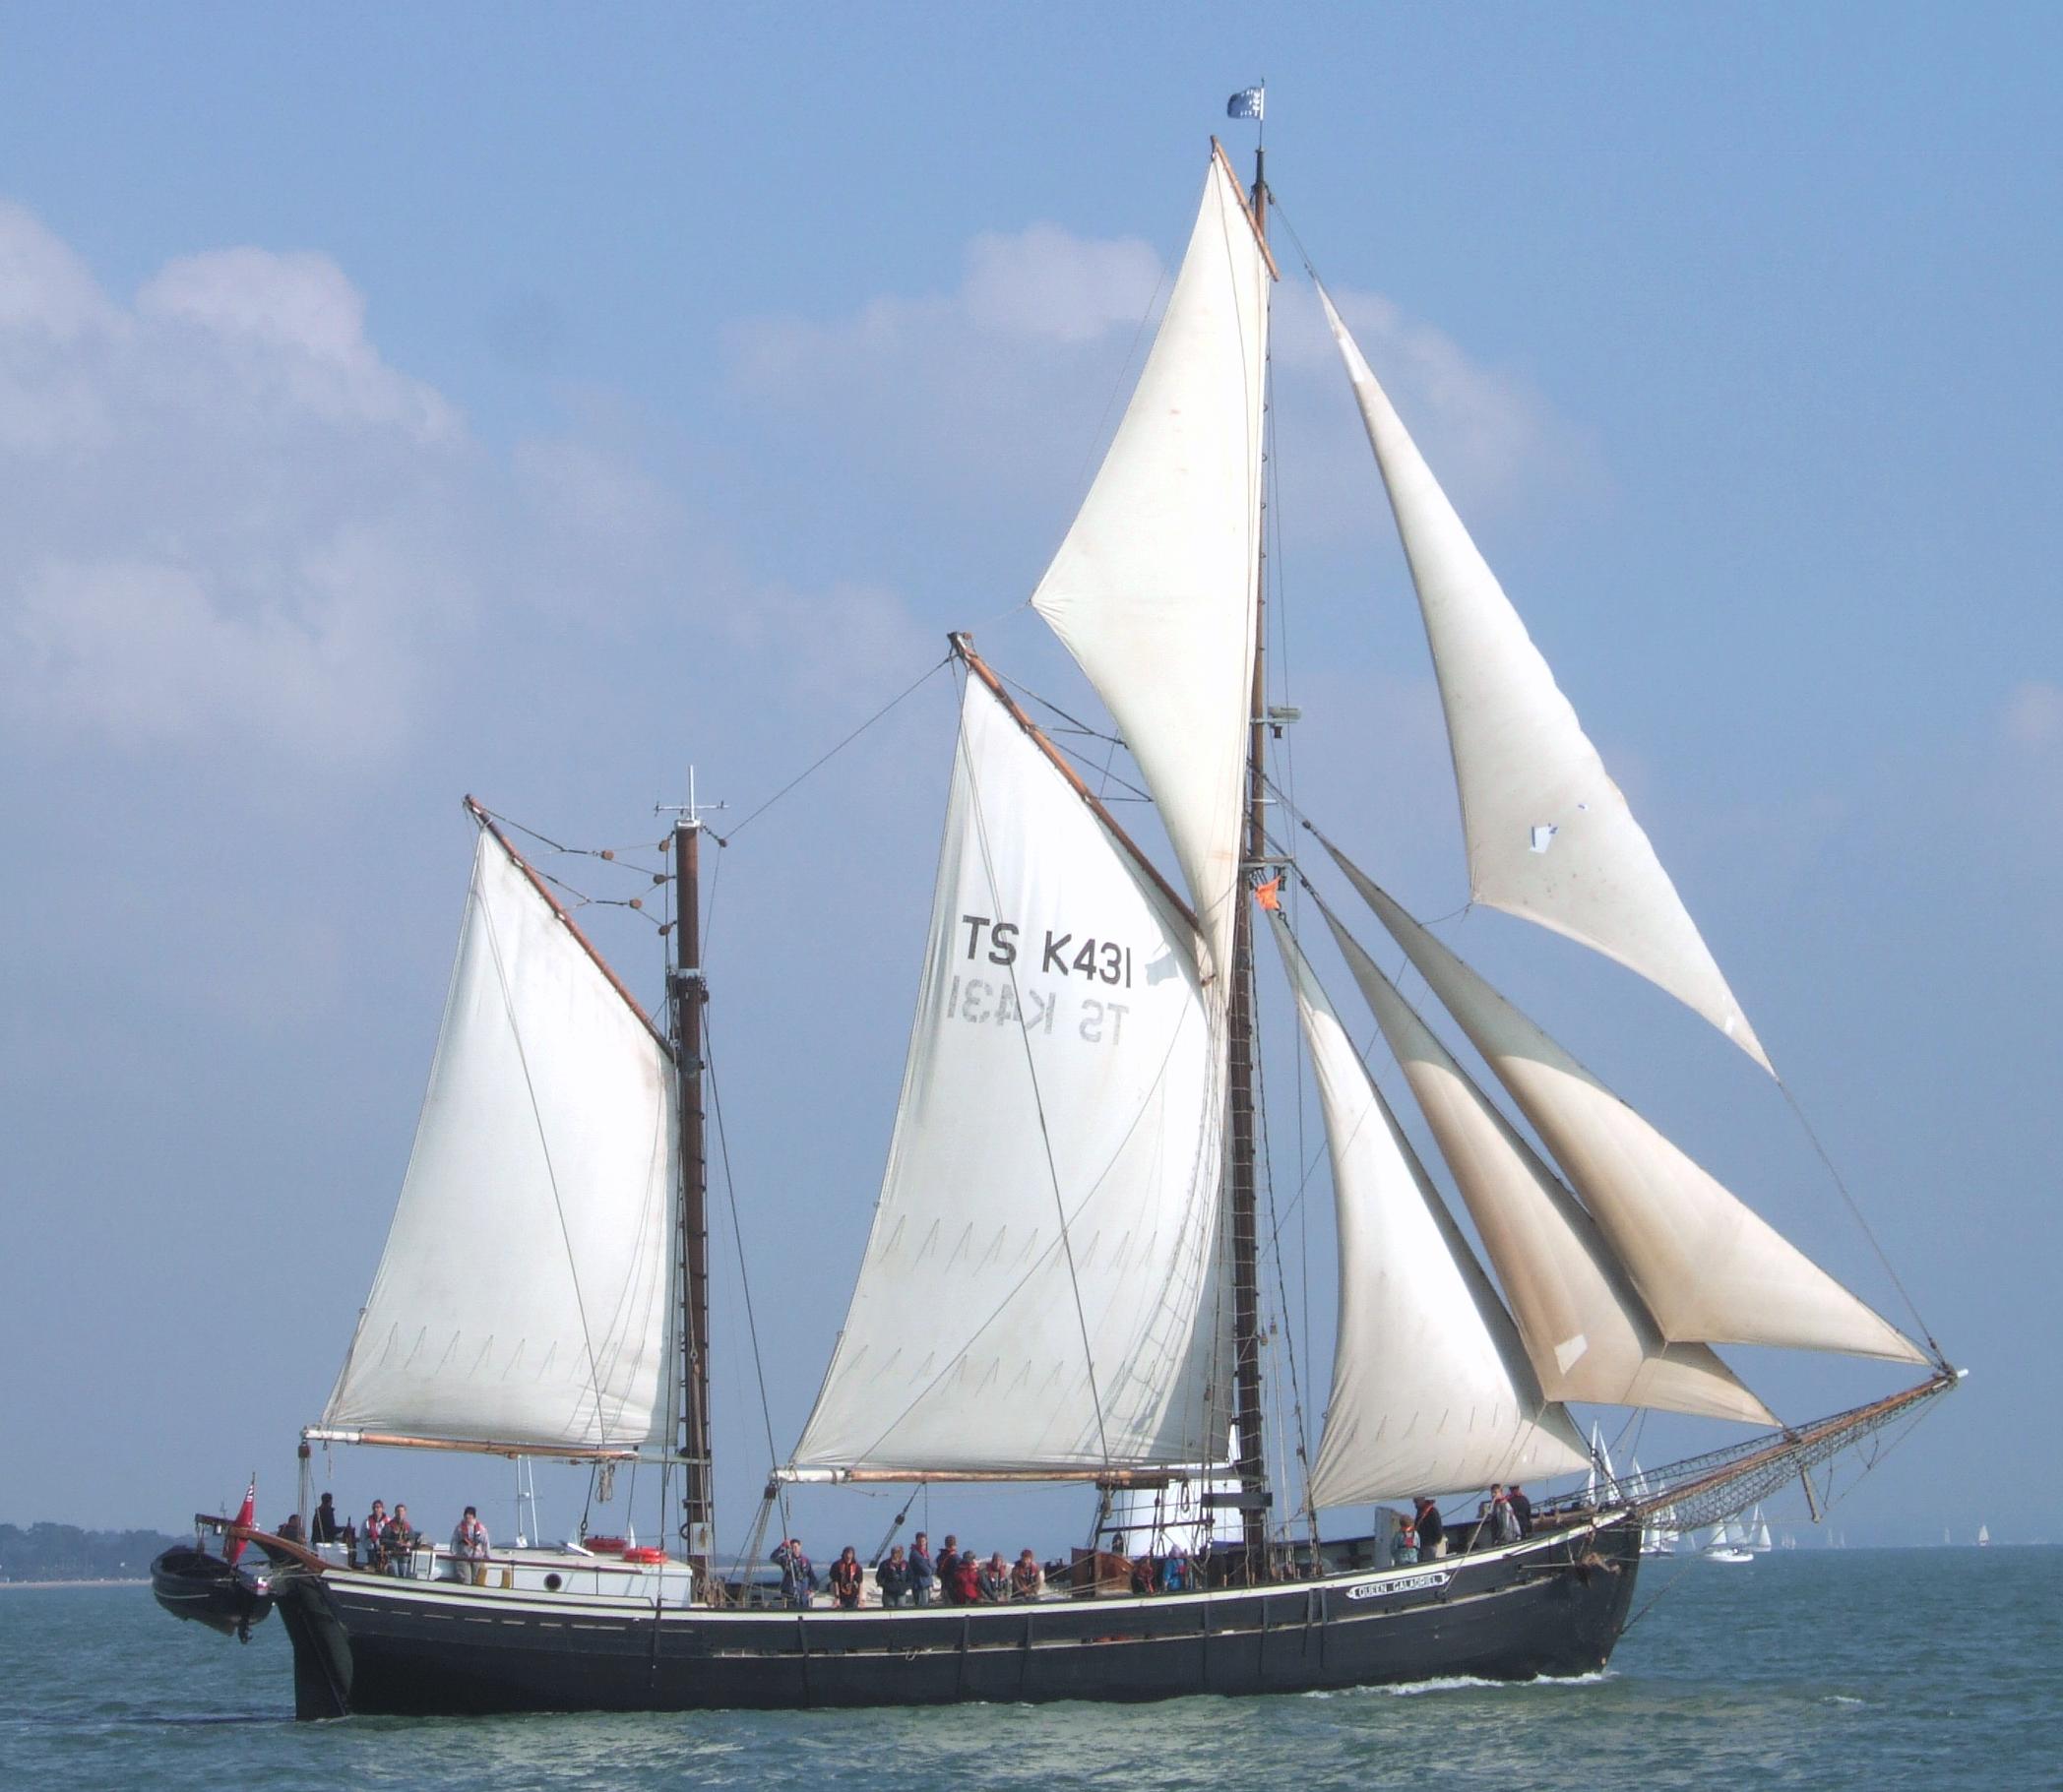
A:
687,991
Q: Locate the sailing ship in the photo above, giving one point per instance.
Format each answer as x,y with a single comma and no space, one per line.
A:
1062,1279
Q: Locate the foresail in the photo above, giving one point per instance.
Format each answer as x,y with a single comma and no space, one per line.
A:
1155,586
1708,1268
523,1296
1586,1331
1431,1390
1039,1291
1549,835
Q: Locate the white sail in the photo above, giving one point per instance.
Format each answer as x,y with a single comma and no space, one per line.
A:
1549,835
1040,1290
1709,1269
1586,1330
1431,1390
523,1296
1153,588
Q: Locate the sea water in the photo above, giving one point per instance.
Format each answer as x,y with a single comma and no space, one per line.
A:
1872,1668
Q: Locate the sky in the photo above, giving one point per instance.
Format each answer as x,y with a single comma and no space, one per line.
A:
397,403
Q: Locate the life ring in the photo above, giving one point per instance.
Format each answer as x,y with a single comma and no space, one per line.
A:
644,1555
606,1546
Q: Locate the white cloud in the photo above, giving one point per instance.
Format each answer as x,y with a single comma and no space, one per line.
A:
230,522
1004,381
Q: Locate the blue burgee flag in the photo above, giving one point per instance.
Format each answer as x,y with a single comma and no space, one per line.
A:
1246,103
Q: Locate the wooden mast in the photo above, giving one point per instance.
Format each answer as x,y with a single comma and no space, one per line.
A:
1247,1414
689,991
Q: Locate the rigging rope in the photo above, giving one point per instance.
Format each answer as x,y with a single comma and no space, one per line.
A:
737,1239
815,764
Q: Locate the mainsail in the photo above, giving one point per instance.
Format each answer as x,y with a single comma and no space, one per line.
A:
1549,835
1155,586
1587,1332
1431,1390
524,1294
1709,1269
1040,1290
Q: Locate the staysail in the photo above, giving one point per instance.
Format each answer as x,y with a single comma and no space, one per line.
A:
1587,1332
1039,1289
1155,586
1549,835
1431,1388
1709,1269
523,1296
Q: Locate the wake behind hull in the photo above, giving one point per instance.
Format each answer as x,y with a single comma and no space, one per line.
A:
1552,1607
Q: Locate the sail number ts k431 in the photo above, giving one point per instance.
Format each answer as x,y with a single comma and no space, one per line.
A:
1063,954
997,963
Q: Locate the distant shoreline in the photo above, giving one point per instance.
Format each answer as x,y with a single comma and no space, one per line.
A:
7,1586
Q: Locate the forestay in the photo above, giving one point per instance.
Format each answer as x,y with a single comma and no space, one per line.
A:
1040,1290
1708,1268
1153,588
1587,1332
1431,1390
523,1296
1549,835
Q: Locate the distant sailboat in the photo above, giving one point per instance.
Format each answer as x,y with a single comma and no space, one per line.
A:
1659,1536
1983,1537
1729,1543
1759,1533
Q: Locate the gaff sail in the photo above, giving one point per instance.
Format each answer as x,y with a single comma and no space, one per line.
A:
1039,1292
524,1293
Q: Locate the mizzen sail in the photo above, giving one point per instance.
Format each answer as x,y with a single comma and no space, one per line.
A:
1155,586
1587,1332
1039,1292
1709,1269
523,1296
1431,1388
1549,835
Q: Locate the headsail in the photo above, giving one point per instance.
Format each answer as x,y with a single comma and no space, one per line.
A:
1431,1390
1155,586
1709,1269
1549,835
523,1297
1040,1290
1587,1332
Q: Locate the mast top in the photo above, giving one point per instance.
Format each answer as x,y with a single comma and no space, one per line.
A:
690,813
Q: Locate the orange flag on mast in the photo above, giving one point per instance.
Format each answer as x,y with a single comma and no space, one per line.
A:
1270,894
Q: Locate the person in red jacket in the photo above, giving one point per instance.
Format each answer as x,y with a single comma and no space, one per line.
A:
967,1578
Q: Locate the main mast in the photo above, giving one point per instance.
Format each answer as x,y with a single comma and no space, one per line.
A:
689,991
1252,1463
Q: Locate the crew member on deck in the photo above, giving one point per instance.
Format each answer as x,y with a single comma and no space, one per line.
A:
324,1526
847,1576
1432,1530
923,1571
893,1578
798,1577
1521,1510
1027,1579
469,1550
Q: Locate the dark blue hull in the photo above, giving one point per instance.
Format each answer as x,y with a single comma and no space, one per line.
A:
1552,1607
